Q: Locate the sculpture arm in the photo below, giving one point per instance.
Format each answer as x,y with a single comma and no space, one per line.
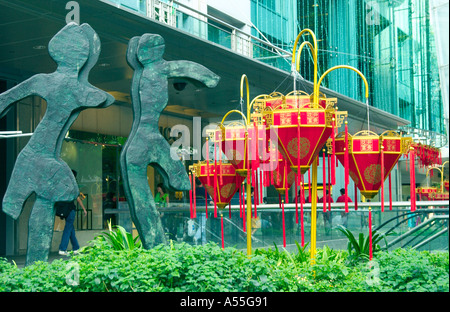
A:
187,69
19,92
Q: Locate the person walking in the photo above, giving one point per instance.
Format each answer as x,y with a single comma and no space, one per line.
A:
341,199
69,228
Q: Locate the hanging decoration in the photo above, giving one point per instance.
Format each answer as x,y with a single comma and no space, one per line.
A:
279,140
220,189
427,155
371,157
434,193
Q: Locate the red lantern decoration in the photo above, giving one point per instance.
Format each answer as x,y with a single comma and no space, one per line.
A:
427,155
225,188
426,193
367,152
301,127
441,196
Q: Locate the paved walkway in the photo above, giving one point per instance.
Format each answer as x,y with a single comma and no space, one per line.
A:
20,260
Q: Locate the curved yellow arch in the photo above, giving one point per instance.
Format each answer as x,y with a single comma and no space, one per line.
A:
347,67
244,78
234,111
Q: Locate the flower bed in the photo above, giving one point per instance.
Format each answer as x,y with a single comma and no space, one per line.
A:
181,267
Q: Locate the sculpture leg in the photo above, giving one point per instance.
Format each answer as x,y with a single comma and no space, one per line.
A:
40,230
143,209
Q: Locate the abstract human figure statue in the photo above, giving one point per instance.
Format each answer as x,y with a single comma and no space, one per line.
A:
39,168
146,146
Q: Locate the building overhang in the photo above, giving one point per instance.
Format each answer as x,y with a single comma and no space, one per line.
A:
28,25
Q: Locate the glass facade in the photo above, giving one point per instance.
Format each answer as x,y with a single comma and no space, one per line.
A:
390,42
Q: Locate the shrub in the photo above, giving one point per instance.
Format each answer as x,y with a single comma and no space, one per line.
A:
208,268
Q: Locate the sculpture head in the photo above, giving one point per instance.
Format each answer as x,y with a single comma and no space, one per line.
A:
132,52
150,48
69,48
94,50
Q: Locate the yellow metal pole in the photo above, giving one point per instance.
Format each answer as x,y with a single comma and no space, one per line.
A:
248,190
249,218
295,62
314,50
442,175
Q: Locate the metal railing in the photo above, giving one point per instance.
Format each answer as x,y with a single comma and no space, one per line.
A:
267,229
208,27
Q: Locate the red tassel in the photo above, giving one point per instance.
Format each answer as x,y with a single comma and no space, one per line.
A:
206,203
256,145
240,200
309,186
194,195
370,234
207,162
215,183
302,200
324,184
412,180
296,199
298,144
346,167
356,198
243,220
255,193
190,196
284,227
382,177
286,194
261,197
333,156
273,157
221,223
390,192
220,168
247,158
329,181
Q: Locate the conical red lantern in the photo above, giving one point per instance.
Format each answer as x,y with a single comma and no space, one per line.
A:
313,124
233,143
367,152
238,144
225,187
283,176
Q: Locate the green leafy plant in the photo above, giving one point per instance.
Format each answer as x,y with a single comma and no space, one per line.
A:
120,239
360,248
184,268
302,255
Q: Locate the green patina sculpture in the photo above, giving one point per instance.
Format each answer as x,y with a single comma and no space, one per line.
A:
145,145
39,168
